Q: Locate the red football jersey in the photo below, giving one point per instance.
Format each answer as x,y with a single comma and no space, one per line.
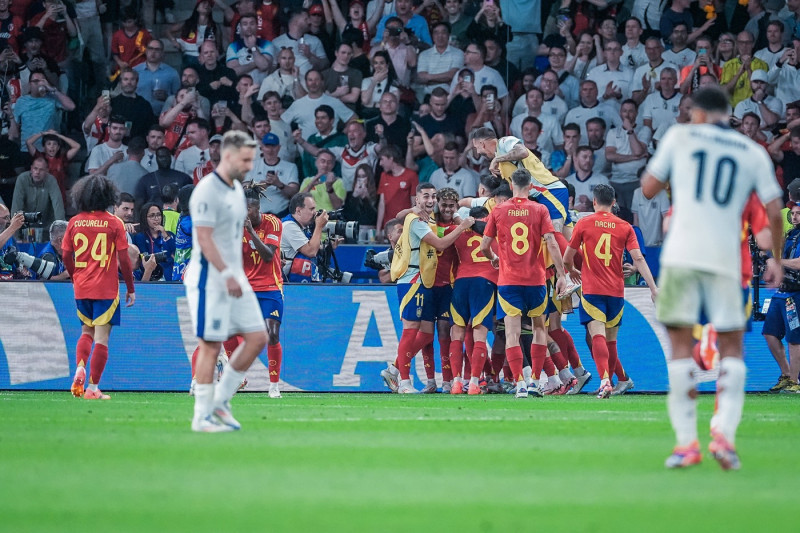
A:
95,238
264,276
604,238
471,261
754,218
448,259
519,225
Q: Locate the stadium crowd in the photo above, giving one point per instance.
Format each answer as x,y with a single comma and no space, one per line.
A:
354,104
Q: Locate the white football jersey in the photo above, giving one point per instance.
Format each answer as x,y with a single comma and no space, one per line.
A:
712,171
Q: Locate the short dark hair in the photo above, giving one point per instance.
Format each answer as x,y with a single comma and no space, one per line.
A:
184,194
94,193
298,200
450,146
533,120
483,134
328,110
116,119
447,193
201,123
392,152
521,177
353,37
597,120
502,190
584,148
136,146
390,224
169,193
571,126
125,198
442,23
439,92
604,194
778,24
711,99
795,133
156,127
422,186
490,88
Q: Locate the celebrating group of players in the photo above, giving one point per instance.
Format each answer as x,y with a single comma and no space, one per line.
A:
502,266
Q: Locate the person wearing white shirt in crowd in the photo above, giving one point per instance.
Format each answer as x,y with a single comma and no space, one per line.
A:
646,77
627,149
531,130
649,216
662,107
437,65
584,179
684,117
474,57
110,152
785,76
680,54
285,80
553,105
591,107
613,79
568,87
596,138
357,152
453,175
250,54
551,135
197,155
308,50
649,12
271,102
279,175
771,53
302,110
633,53
768,108
155,140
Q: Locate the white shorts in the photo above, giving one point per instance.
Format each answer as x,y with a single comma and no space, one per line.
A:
685,294
217,316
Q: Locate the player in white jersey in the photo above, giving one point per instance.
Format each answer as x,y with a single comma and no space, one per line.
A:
221,301
712,171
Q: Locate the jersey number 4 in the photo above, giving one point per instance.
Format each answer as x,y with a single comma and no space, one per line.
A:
99,251
724,178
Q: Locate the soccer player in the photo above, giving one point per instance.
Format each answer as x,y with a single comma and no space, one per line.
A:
221,301
94,248
472,303
700,263
521,227
603,238
414,269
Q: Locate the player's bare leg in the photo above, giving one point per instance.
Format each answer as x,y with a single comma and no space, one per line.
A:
97,363
779,354
730,400
682,399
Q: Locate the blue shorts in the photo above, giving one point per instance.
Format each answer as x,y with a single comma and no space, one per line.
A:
473,302
98,312
441,302
606,309
416,302
557,203
519,300
271,303
776,322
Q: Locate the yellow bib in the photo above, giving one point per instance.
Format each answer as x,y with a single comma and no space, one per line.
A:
533,164
428,259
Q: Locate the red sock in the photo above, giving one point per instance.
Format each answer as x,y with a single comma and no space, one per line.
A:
538,357
275,355
98,363
600,353
559,360
456,358
479,352
84,348
467,367
498,359
231,344
405,353
427,358
444,355
567,345
469,341
194,359
487,367
514,356
507,375
548,367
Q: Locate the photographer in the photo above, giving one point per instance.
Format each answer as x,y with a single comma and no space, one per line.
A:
10,225
51,253
302,238
382,262
38,191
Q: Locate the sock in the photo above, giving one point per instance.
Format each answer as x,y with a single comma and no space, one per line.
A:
559,360
227,385
479,352
507,376
549,368
538,355
487,367
231,344
614,364
444,355
404,353
456,358
84,348
194,359
730,397
525,340
203,400
275,355
567,345
514,356
474,381
98,363
565,375
526,373
681,403
578,370
554,380
427,359
497,364
467,367
600,353
469,343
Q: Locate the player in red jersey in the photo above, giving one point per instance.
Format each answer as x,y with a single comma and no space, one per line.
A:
95,248
603,238
523,229
473,302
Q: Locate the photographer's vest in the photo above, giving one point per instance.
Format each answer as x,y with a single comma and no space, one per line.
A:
303,269
428,259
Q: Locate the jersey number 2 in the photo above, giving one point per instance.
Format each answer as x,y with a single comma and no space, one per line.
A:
724,178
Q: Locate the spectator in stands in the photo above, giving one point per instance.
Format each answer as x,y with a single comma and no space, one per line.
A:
649,215
490,113
176,119
586,56
787,159
396,43
474,60
38,111
195,158
785,74
440,120
155,140
157,80
584,179
9,226
188,36
95,125
216,81
737,72
10,29
150,185
495,58
397,185
356,153
553,105
680,54
661,107
59,150
124,210
562,160
303,110
389,128
129,42
342,81
769,44
233,115
189,80
37,191
285,80
361,204
627,149
590,107
551,129
326,137
267,12
383,79
437,65
568,87
279,176
153,238
57,22
136,110
33,58
768,108
488,22
454,15
596,135
325,186
703,65
453,175
633,51
318,28
404,10
127,174
612,78
52,250
531,130
250,54
110,152
308,50
355,20
647,77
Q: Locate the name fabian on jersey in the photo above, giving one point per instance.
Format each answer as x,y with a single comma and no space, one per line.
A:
517,212
91,223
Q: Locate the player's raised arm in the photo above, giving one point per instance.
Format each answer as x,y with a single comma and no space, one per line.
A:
442,243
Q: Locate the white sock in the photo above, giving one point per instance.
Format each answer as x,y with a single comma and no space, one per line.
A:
457,379
203,400
682,408
526,374
534,383
521,384
554,380
273,386
730,397
565,375
579,371
393,370
92,387
474,381
227,385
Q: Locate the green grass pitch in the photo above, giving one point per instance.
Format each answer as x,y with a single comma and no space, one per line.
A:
380,462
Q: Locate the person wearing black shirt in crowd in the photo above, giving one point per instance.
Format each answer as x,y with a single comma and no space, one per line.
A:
136,110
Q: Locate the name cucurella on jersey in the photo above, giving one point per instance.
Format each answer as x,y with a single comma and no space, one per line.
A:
91,223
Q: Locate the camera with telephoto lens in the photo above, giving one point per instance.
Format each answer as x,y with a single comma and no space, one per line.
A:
379,261
42,266
33,218
337,226
160,257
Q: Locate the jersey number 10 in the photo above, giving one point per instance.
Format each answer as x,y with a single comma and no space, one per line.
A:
724,178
